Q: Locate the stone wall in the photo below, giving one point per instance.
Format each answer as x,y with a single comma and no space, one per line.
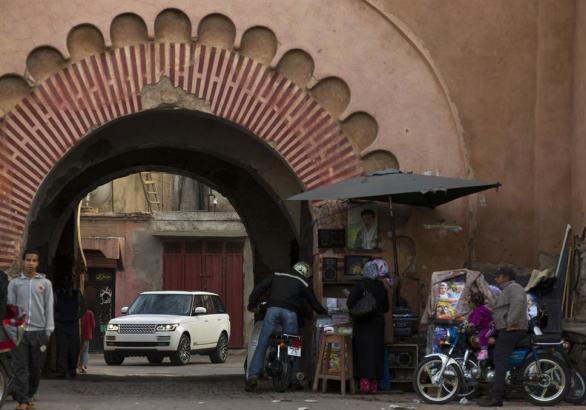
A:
478,89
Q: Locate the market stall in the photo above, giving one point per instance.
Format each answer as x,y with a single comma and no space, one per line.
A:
356,233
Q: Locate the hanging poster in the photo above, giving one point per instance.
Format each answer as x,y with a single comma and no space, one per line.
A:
362,228
447,296
532,305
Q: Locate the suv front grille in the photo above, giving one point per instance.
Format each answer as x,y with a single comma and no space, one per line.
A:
138,329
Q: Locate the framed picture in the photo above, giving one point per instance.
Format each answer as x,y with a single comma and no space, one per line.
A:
362,229
353,265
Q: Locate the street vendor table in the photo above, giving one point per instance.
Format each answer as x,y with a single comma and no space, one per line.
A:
335,362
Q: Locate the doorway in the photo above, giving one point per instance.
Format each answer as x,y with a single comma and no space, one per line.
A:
99,297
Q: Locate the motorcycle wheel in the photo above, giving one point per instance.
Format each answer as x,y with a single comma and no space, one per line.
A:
281,380
549,387
577,390
440,393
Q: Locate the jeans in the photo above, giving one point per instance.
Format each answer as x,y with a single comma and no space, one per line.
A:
505,343
27,362
275,316
85,353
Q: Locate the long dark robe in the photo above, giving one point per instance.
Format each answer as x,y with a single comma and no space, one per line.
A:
368,334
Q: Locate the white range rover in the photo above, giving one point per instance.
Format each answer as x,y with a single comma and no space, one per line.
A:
169,323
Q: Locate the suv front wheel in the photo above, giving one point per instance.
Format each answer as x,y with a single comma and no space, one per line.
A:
183,354
113,358
220,353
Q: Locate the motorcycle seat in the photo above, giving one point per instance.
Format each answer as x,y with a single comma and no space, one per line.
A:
528,340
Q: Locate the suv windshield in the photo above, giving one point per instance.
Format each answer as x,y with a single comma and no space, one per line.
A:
161,304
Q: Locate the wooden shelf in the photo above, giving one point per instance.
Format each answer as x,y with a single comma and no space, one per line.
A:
341,282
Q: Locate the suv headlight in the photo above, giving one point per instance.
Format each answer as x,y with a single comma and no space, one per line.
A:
167,328
112,327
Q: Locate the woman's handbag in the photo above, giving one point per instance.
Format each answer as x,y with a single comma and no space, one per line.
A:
365,306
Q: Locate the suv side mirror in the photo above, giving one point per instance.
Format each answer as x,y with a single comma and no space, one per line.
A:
200,310
124,310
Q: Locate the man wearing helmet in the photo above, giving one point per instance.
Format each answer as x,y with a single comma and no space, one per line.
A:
288,291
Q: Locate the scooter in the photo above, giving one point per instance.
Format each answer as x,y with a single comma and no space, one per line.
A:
543,377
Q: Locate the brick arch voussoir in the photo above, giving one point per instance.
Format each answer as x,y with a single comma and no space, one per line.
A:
100,88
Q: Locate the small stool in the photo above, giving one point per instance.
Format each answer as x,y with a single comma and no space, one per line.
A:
344,372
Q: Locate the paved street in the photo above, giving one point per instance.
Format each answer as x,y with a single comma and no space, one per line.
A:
136,385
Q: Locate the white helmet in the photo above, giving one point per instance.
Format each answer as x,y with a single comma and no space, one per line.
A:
303,269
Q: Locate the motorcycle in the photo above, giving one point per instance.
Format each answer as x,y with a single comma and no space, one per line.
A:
284,352
6,378
535,369
282,356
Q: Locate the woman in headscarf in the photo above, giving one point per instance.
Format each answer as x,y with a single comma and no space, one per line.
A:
368,334
390,283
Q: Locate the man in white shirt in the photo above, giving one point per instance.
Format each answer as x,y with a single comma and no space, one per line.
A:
367,236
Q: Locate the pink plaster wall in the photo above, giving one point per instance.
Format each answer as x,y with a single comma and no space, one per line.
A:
353,40
579,131
467,87
508,67
128,282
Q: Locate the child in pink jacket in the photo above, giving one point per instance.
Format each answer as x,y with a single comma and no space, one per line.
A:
481,318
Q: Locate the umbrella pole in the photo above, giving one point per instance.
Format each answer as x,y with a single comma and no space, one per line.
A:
394,238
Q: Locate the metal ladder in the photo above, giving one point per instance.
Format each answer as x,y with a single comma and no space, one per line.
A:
150,191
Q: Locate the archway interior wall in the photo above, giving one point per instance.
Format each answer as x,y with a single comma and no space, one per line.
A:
210,150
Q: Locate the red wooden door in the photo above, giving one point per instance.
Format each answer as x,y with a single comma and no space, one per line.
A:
233,296
173,263
213,267
193,266
209,265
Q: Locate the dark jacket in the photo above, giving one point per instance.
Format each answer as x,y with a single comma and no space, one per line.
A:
510,308
69,306
287,291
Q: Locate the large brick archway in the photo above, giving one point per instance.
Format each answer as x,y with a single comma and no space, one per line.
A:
87,94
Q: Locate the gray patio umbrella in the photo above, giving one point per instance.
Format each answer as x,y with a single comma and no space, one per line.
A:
394,186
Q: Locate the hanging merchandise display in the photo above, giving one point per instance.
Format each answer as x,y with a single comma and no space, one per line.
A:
450,291
447,303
